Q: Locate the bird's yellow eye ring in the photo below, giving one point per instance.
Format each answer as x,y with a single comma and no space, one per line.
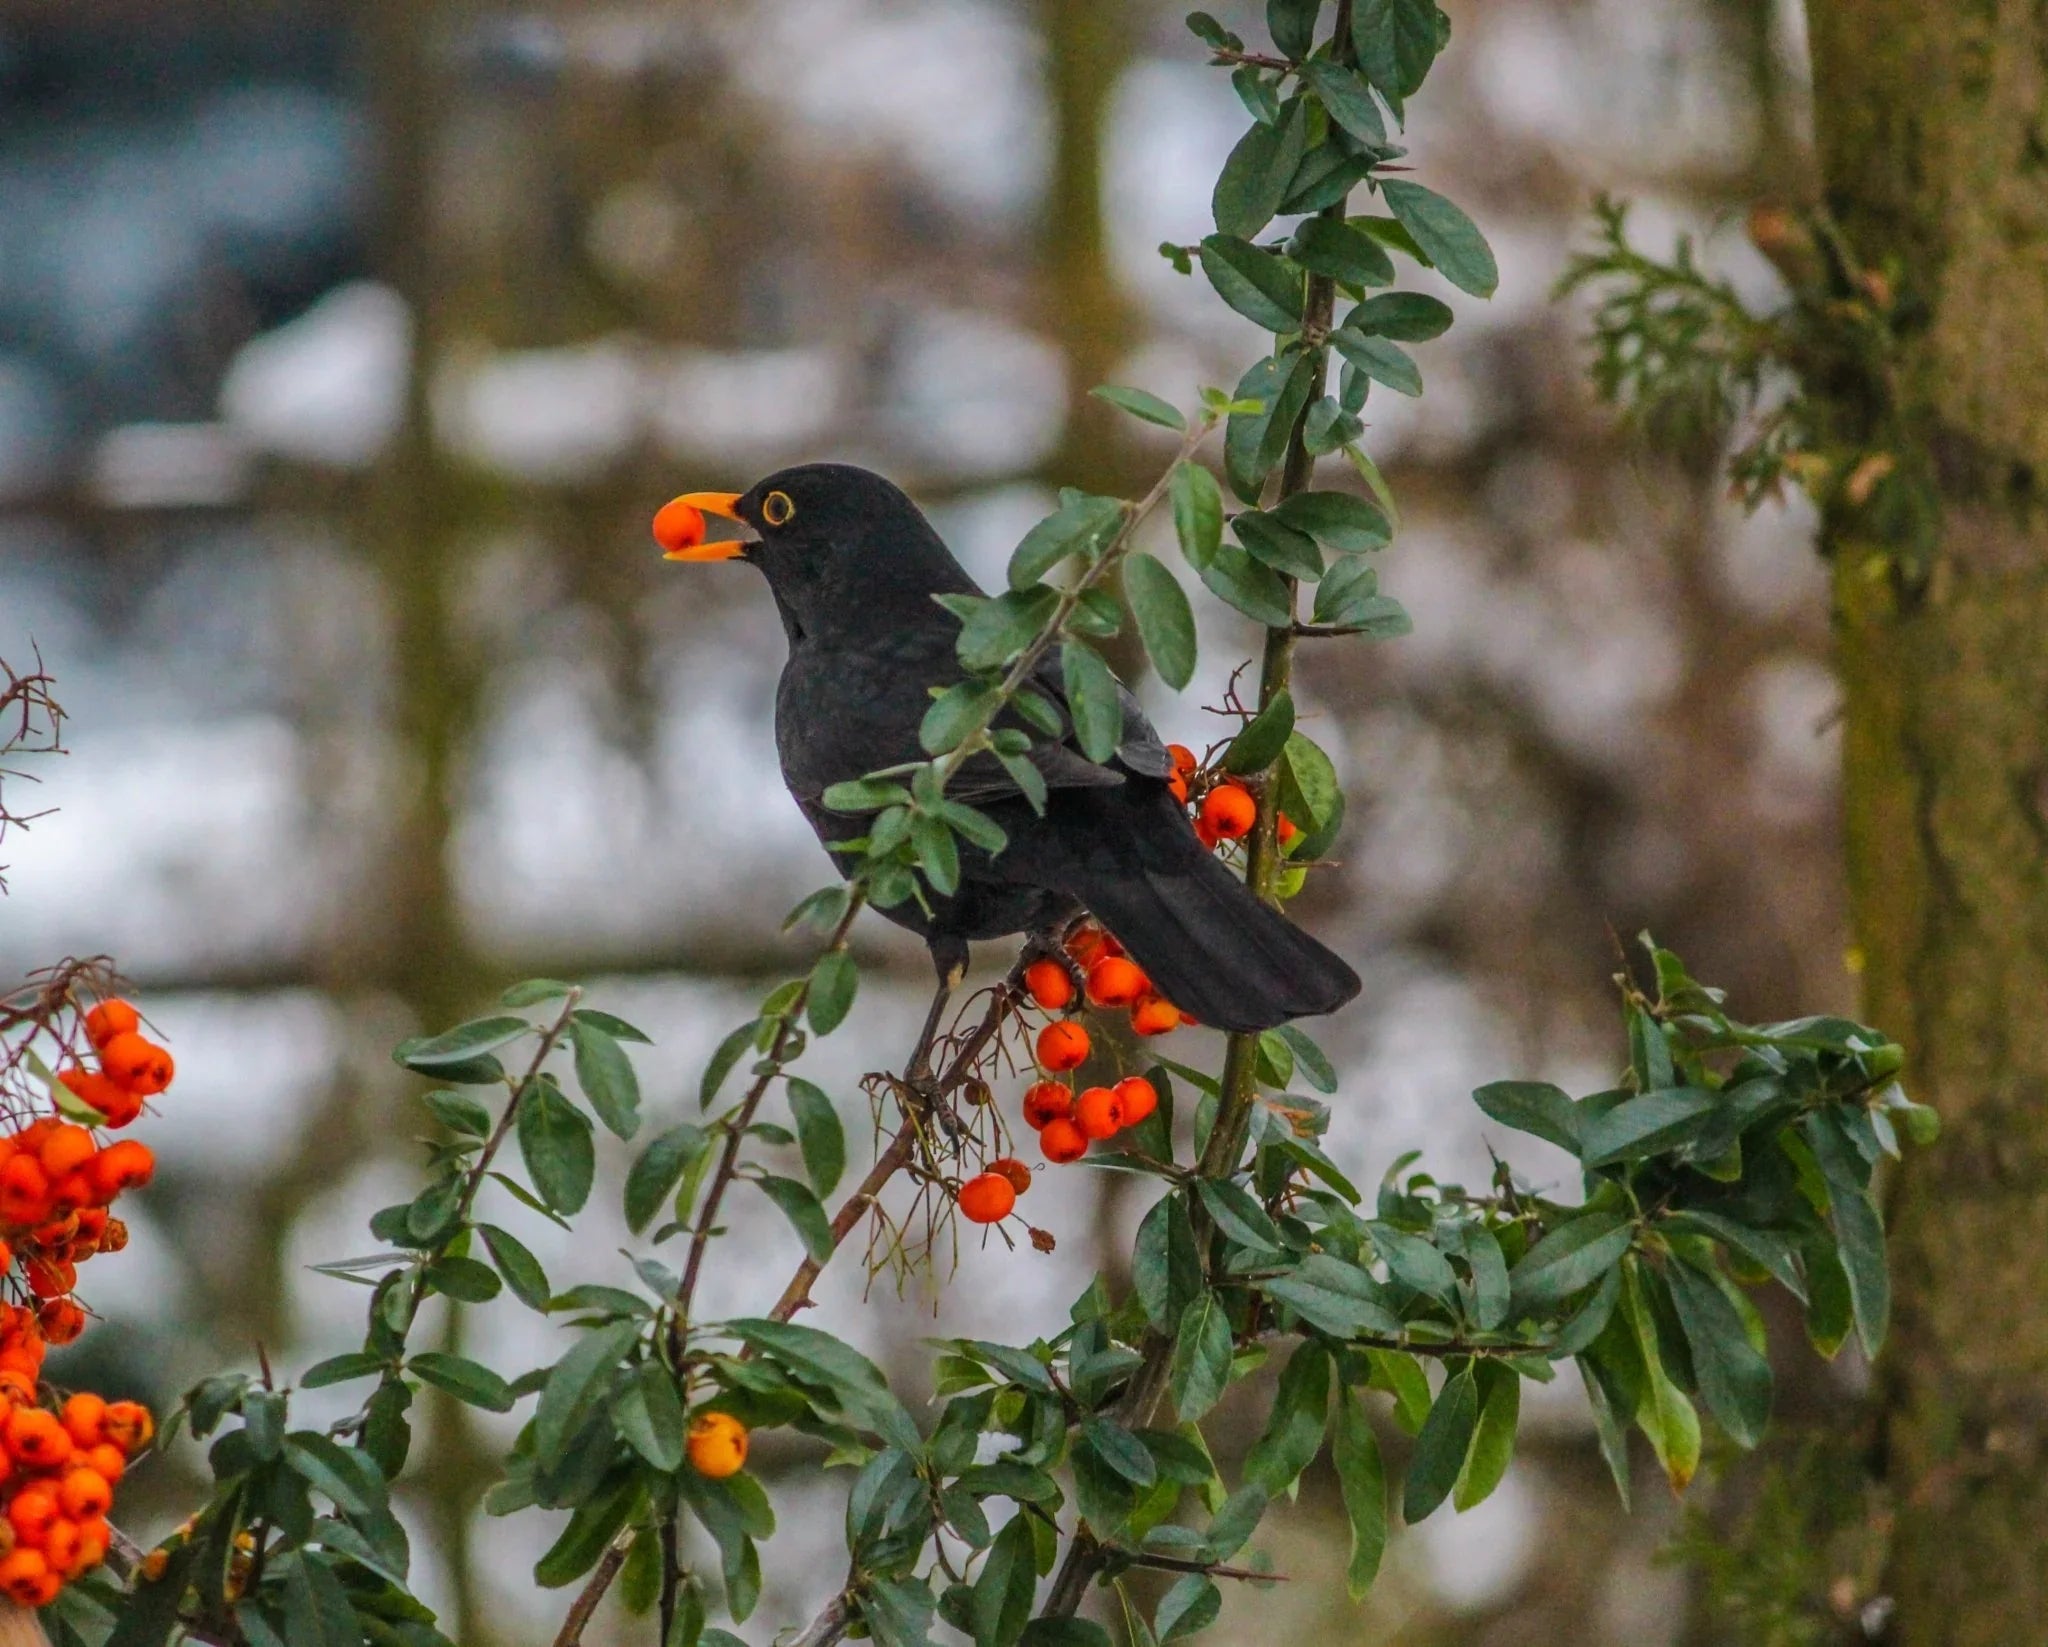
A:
776,509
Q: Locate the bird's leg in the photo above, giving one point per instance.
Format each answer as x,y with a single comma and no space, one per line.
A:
918,1071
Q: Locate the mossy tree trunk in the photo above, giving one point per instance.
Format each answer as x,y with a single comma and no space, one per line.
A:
1933,124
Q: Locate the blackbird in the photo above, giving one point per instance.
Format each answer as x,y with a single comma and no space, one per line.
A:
854,566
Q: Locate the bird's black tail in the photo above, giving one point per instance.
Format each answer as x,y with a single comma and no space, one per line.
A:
1208,945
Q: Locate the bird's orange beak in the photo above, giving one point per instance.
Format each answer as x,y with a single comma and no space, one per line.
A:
679,527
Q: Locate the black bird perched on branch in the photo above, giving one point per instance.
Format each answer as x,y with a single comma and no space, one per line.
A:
854,567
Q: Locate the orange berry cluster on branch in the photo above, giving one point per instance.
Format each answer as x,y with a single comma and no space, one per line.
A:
132,1067
1066,1122
59,1486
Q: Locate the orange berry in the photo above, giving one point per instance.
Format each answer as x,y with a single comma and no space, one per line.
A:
60,1548
1203,833
81,1416
61,1320
24,1191
51,1277
110,1018
1230,811
1061,1046
717,1445
106,1461
128,1425
18,1388
126,1165
32,1512
1284,830
987,1198
84,1493
678,526
1062,1141
26,1579
1140,1098
89,1087
1099,1112
67,1148
114,1238
94,1539
138,1064
1183,759
1046,1101
24,1356
1114,981
1049,984
1015,1170
55,1233
1178,786
1089,944
1155,1015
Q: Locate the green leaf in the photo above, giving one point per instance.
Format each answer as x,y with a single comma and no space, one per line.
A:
1082,527
575,1384
819,1134
1570,1258
1663,1412
1347,98
617,1028
345,1476
1534,1107
834,980
1292,24
995,631
1235,578
1415,1263
1649,1125
460,1044
1260,741
1734,1380
649,1415
1341,252
1201,1357
459,1113
803,1210
1092,700
1441,1447
1265,289
1290,553
1166,623
1451,239
1254,441
606,1076
1238,1215
521,1270
468,1381
1859,1233
1406,317
1122,1451
555,1142
1294,1430
954,713
1337,520
1197,512
582,1542
1166,1270
1379,360
1005,1586
1141,405
863,795
1493,1439
818,1357
730,1051
464,1279
1349,597
1254,178
1335,1297
1189,1606
1491,1295
341,1369
659,1170
1362,1478
1312,778
1396,41
1763,1247
1064,1632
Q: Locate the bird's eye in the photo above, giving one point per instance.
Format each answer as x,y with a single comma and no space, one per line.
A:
776,509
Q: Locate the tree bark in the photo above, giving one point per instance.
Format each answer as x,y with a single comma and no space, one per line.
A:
1933,132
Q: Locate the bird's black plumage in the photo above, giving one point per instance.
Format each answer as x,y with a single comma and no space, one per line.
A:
854,567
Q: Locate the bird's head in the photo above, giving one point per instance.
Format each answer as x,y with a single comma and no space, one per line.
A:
823,533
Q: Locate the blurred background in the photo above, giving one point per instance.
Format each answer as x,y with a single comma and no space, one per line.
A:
345,351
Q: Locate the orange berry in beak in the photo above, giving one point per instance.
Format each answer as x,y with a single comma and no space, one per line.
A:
678,525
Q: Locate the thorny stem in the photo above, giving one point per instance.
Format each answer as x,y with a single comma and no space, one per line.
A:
797,1294
1240,1083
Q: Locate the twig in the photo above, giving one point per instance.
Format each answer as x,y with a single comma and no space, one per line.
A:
1215,1569
830,1625
593,1591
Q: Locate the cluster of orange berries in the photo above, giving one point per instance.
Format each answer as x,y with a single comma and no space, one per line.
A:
56,1186
1227,810
61,1470
1111,980
1067,1122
